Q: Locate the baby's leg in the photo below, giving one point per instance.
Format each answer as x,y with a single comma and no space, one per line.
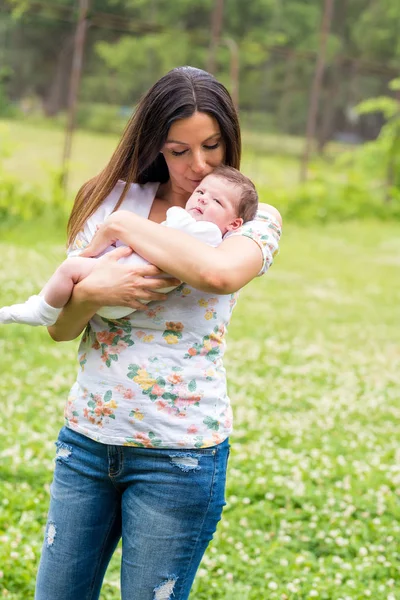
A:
58,289
45,308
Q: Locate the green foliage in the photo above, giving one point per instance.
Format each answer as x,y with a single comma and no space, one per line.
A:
278,42
360,184
7,110
102,118
24,201
384,153
352,187
333,197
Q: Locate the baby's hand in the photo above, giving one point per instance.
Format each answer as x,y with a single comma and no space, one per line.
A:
104,237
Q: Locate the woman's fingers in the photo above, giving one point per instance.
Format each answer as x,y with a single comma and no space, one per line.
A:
120,252
115,284
146,270
150,280
136,304
149,271
156,283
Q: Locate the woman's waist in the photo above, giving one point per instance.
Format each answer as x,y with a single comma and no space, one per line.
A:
144,372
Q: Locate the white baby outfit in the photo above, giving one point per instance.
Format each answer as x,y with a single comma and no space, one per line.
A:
156,378
177,218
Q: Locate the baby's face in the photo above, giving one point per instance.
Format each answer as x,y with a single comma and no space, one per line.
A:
216,200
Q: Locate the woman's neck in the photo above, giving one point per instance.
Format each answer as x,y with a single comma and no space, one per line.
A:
172,195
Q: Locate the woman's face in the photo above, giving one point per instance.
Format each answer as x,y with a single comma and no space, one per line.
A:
194,147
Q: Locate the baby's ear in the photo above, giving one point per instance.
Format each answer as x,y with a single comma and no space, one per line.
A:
235,224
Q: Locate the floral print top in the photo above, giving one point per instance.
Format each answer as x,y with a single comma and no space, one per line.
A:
156,378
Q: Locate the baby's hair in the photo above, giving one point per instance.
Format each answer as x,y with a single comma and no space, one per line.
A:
248,201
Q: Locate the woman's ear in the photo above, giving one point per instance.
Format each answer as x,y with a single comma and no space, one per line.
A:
235,224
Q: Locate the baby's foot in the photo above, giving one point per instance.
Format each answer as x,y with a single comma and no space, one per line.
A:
35,311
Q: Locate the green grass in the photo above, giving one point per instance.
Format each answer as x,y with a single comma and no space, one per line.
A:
313,496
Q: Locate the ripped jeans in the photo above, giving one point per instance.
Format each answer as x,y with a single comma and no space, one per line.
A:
164,503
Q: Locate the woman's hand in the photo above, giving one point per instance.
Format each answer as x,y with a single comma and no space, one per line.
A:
114,284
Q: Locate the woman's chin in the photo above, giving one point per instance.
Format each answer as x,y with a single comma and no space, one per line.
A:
192,184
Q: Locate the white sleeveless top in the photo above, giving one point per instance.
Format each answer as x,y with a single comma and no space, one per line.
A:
156,378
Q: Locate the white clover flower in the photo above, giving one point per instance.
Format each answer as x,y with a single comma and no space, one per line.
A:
272,585
380,558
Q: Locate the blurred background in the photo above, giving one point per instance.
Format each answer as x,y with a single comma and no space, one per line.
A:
313,354
316,84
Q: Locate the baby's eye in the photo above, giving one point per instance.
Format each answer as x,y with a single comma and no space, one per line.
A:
200,192
218,201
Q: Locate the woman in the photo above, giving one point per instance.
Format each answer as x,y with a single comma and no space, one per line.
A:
145,448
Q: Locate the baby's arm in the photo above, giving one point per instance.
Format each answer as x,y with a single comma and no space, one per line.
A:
113,229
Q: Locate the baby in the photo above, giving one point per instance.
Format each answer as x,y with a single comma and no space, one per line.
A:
222,202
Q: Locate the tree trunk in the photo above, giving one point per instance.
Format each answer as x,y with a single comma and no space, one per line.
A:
327,121
337,78
316,86
216,27
57,97
288,85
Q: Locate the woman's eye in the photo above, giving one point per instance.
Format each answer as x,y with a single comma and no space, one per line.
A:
176,153
214,147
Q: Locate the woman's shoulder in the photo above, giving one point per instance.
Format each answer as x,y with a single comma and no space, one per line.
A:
268,209
138,198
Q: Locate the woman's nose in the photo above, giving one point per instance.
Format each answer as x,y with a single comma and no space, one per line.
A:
199,164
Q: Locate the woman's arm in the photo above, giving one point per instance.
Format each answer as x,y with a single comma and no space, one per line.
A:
73,318
221,270
109,284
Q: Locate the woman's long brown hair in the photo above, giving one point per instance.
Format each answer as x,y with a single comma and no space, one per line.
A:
137,158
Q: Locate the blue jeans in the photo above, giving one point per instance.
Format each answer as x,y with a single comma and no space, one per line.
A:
164,503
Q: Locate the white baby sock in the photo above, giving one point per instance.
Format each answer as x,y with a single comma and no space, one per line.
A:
35,311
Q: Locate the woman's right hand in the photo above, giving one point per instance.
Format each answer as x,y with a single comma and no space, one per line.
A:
114,284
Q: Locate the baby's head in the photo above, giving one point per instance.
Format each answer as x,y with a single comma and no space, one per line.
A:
226,198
